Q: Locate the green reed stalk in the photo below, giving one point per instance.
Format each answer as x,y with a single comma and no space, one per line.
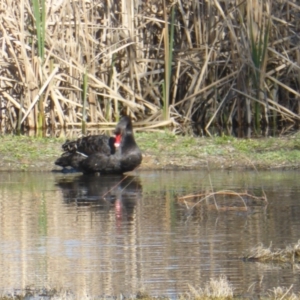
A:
22,14
84,102
39,11
259,55
168,49
108,104
171,44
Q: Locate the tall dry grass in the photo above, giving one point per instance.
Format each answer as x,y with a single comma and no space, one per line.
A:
164,62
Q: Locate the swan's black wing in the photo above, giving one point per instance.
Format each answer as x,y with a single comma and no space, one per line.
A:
91,144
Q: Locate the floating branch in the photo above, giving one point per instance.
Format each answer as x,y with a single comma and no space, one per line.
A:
226,193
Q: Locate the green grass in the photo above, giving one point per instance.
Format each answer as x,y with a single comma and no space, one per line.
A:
23,146
167,150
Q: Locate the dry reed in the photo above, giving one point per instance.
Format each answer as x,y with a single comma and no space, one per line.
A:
163,62
290,254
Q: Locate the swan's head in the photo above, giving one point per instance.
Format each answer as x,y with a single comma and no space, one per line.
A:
123,128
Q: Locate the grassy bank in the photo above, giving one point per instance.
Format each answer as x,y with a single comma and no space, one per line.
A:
162,150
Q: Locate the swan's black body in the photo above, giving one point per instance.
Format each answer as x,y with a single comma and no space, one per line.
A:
99,153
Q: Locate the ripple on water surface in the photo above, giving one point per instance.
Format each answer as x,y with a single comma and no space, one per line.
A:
112,235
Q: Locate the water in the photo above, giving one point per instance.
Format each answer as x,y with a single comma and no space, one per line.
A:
111,235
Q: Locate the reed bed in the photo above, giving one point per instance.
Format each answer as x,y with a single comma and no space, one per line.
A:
74,63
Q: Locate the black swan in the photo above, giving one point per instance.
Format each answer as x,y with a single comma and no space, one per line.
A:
103,154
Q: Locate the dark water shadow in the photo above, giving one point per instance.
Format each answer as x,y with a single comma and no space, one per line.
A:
102,192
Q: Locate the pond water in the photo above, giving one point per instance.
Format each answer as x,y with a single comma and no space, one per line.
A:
116,235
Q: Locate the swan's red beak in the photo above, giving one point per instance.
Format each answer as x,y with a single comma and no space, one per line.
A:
118,140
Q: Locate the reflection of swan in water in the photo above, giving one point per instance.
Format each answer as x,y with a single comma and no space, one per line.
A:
115,191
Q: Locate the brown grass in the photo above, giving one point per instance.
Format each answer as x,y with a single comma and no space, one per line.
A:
290,254
213,289
216,288
232,62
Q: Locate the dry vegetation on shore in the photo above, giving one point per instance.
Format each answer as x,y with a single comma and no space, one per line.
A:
215,289
165,62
